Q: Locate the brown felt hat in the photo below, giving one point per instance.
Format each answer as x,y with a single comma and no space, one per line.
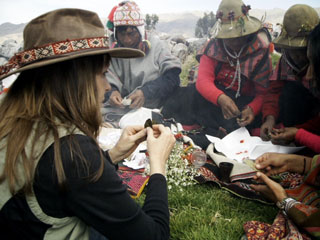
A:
233,20
299,20
61,35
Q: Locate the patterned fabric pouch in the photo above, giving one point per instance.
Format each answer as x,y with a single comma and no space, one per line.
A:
135,180
281,228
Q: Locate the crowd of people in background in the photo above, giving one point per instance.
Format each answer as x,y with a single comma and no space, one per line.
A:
55,181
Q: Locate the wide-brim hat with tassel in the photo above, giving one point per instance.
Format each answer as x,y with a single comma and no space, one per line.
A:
62,35
299,20
233,20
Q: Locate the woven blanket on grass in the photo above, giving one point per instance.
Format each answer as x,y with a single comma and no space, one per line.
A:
209,173
134,179
241,177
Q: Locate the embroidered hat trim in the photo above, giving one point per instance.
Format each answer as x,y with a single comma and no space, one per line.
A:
51,50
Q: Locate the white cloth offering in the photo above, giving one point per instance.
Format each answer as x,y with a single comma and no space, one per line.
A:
138,159
108,137
239,145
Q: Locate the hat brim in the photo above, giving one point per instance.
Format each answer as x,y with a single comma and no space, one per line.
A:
283,42
114,53
229,30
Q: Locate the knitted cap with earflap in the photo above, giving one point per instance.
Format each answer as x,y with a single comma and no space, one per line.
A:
127,13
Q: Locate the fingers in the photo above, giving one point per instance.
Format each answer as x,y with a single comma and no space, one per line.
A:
247,116
135,134
230,112
275,187
137,102
229,108
247,120
140,135
262,161
159,131
265,163
259,188
264,133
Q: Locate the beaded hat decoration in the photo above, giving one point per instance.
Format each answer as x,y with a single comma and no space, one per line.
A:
233,20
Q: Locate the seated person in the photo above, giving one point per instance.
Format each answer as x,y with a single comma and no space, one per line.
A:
307,134
289,97
55,180
300,204
234,70
145,81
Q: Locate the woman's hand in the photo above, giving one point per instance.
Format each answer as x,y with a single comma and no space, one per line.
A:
283,136
116,99
137,98
275,163
247,116
228,107
160,142
266,128
272,190
129,140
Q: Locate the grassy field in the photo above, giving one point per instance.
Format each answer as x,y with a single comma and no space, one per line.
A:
204,211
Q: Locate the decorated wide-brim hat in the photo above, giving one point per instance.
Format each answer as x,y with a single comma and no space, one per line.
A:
233,20
299,20
62,35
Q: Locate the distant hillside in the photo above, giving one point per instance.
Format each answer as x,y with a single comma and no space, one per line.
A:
179,24
272,15
9,28
171,23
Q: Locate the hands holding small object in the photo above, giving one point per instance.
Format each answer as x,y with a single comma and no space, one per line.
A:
116,99
137,99
283,136
160,142
247,116
274,163
228,107
134,100
267,127
230,110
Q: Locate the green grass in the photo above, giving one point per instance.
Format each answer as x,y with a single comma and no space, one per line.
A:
186,66
275,58
205,211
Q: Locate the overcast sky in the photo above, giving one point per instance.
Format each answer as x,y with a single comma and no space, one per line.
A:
22,11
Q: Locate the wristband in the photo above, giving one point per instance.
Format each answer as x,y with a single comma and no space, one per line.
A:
286,204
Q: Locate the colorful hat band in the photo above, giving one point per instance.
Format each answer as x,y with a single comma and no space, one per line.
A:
52,50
